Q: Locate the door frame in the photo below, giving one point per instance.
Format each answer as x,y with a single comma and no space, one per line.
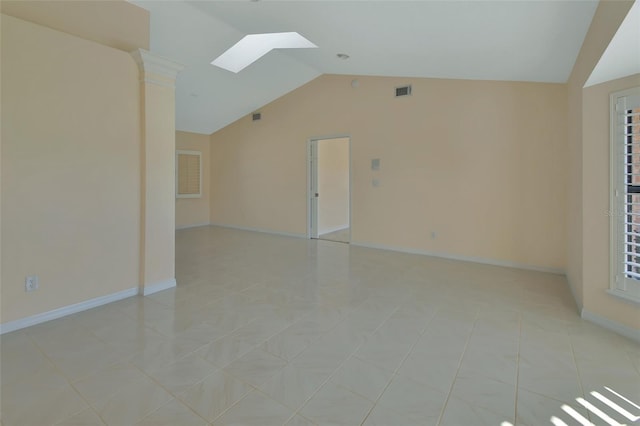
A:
312,175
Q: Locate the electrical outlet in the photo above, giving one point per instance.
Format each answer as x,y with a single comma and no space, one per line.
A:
31,283
434,235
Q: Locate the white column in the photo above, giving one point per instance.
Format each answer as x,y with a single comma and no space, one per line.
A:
157,239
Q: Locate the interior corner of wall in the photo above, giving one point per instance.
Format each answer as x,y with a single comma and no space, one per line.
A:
572,282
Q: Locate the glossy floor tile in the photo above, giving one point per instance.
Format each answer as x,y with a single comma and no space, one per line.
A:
341,236
271,330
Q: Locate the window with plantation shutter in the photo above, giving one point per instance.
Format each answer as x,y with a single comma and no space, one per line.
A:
188,174
625,194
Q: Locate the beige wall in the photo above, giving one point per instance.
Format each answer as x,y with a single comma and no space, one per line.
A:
482,164
333,184
1,171
158,214
574,192
194,211
606,21
114,23
596,237
70,169
588,184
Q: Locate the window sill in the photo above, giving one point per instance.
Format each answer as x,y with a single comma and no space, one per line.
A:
625,296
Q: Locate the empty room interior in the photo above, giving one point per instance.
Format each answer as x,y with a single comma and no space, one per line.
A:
262,212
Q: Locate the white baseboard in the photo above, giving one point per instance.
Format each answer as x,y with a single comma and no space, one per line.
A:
624,330
197,225
335,229
66,310
264,231
83,306
162,285
463,258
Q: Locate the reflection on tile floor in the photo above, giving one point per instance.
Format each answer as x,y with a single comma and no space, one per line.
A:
341,236
270,330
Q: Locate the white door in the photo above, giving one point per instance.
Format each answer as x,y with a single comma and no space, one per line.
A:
329,188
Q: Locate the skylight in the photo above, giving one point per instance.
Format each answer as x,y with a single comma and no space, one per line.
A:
254,46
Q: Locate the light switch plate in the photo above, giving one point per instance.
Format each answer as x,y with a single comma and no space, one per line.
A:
31,283
375,164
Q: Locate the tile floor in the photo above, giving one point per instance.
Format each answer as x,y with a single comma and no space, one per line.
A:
268,330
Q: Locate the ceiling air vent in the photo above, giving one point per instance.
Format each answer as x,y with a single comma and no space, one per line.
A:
403,91
256,116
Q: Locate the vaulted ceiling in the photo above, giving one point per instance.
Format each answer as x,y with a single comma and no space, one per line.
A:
622,56
515,40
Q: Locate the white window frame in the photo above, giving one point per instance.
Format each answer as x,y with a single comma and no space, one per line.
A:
199,154
620,285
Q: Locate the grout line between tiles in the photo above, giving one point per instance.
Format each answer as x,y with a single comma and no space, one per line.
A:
175,398
515,418
68,379
222,413
575,362
254,388
395,372
342,363
466,344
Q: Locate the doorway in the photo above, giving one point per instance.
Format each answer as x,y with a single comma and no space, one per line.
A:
329,189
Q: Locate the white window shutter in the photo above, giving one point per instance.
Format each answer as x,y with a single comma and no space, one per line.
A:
625,194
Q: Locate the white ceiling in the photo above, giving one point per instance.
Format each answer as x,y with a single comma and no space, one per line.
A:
514,40
622,56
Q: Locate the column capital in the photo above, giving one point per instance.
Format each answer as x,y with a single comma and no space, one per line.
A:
150,63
